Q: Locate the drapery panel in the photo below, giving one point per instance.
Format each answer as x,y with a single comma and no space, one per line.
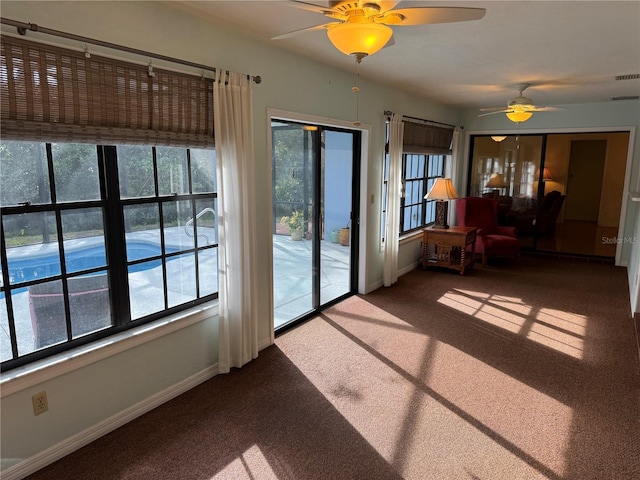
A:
237,261
55,94
394,191
452,170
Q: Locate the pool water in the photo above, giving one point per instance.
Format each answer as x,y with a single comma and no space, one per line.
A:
43,261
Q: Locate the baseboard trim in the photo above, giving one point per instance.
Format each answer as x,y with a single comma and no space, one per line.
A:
374,286
401,272
56,452
408,268
636,324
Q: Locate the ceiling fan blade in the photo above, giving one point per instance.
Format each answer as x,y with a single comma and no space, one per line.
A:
312,7
547,109
431,15
494,109
493,113
303,30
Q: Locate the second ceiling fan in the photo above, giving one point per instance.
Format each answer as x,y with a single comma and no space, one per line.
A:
360,28
519,109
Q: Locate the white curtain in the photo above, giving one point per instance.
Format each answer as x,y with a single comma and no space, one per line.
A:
394,192
453,172
237,252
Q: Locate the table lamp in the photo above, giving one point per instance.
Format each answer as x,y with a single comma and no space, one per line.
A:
496,182
442,191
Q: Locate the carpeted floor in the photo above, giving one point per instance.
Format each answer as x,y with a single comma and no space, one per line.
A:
526,371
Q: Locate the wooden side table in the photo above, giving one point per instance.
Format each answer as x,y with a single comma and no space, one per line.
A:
448,247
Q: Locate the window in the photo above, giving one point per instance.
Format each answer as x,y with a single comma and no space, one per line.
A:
98,239
107,197
419,174
426,151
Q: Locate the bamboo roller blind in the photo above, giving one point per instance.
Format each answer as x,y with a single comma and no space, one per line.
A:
427,139
49,93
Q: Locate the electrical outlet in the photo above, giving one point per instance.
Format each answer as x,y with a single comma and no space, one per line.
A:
40,403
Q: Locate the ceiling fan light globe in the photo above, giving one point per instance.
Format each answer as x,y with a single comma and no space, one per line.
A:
359,38
519,116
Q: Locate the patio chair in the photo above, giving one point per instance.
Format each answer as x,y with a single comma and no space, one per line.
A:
88,305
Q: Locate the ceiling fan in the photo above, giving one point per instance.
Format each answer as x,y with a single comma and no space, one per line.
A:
519,109
360,28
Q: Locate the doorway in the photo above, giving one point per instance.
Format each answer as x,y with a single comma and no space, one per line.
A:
314,220
584,183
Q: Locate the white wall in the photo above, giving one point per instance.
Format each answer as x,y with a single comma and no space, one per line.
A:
95,393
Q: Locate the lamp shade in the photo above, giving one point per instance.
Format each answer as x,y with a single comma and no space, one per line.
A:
498,138
519,116
359,36
546,174
496,181
442,190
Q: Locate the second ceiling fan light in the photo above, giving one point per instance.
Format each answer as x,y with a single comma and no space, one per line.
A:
519,116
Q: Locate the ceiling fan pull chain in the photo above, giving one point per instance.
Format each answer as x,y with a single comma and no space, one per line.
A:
356,89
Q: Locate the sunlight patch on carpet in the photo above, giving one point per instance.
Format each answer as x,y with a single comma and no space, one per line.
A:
250,465
562,331
481,308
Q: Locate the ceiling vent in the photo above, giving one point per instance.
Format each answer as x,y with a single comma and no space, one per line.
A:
626,97
633,76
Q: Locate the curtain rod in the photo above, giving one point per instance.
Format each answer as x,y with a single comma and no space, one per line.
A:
23,27
388,114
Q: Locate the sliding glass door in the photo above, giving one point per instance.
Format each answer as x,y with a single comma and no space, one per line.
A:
562,191
315,237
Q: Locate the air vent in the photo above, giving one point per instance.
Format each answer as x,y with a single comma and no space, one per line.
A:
633,76
627,97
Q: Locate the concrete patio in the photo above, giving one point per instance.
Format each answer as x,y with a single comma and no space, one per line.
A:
292,276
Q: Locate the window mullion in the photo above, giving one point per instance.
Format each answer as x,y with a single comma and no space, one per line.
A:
163,254
115,238
60,240
196,227
425,181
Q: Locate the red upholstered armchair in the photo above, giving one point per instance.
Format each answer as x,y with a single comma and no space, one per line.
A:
492,240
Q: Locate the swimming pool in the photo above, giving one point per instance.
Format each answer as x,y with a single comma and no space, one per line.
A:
33,262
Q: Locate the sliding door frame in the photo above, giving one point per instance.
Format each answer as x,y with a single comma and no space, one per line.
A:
360,175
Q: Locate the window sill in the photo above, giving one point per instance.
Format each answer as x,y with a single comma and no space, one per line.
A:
20,378
411,237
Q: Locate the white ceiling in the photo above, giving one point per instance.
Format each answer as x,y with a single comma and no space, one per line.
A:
569,51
